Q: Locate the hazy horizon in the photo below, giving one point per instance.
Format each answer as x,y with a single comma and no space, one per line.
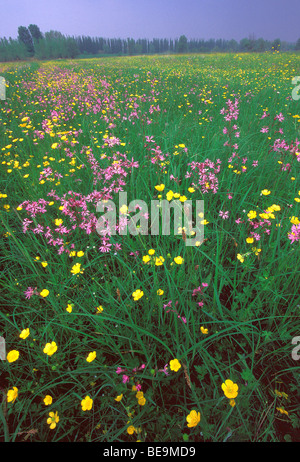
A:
196,19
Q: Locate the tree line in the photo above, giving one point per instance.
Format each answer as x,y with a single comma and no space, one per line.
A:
32,43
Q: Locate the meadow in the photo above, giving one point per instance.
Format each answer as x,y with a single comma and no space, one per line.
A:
121,337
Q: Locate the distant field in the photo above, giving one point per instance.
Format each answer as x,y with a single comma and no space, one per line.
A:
112,336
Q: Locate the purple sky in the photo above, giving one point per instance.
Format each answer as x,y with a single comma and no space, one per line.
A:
156,18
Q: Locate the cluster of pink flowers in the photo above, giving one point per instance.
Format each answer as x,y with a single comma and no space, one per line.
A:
156,155
204,175
126,374
294,235
231,111
76,207
282,146
91,96
168,305
199,291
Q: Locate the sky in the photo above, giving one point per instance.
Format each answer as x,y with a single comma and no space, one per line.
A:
199,19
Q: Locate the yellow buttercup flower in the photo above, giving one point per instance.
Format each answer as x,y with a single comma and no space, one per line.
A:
275,208
240,258
179,260
48,400
159,260
264,216
130,430
53,420
124,209
282,410
12,356
91,356
119,397
160,187
76,268
137,294
230,389
294,220
252,214
50,348
265,192
24,334
44,293
87,403
203,330
12,395
193,418
256,251
170,195
175,365
146,258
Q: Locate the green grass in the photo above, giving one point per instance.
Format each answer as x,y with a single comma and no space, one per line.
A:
250,305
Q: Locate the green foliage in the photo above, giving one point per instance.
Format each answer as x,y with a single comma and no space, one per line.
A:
25,37
239,328
55,45
12,50
35,32
182,46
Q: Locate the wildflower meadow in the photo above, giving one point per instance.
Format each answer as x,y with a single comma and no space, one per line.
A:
112,332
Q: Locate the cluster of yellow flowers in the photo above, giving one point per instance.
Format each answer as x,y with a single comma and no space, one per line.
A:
158,261
171,194
141,398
